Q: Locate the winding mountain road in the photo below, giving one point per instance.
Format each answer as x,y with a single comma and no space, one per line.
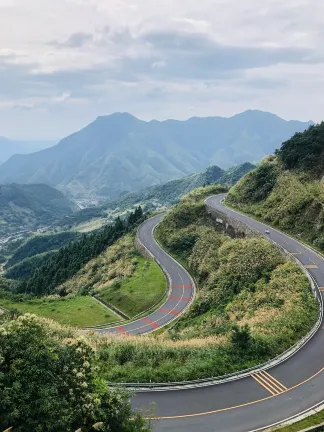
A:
181,293
257,401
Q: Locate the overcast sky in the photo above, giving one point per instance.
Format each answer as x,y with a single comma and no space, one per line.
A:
64,62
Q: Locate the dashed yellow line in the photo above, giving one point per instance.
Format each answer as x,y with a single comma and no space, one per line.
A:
321,288
310,266
271,384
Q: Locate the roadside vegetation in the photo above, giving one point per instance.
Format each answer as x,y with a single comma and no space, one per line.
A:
308,422
287,189
50,382
252,305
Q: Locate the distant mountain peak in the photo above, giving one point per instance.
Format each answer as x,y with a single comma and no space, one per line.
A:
119,152
117,116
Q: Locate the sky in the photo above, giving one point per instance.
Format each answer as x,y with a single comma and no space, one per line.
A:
63,63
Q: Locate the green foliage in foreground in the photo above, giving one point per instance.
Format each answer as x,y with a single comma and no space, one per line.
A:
74,311
49,383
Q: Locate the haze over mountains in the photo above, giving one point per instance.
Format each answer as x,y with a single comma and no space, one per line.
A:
119,153
9,147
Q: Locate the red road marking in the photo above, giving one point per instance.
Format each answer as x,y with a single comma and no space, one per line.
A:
180,298
121,329
182,286
152,323
170,311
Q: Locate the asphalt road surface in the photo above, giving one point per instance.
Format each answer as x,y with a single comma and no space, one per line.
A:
261,399
181,288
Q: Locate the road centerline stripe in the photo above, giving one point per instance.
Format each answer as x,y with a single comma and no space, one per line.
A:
263,385
269,382
275,381
171,311
180,298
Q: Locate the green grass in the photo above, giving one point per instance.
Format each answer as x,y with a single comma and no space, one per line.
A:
76,311
304,424
139,292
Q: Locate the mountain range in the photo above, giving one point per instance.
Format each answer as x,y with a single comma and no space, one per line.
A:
120,153
171,192
9,147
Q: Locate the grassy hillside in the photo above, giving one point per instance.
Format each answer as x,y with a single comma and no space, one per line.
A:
75,311
242,314
121,277
286,190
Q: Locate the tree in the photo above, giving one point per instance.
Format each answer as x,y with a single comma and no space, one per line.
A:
241,337
49,382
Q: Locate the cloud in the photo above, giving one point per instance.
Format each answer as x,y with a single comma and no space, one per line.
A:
76,40
159,64
157,59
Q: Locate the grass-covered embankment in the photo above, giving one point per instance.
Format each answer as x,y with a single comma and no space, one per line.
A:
253,304
122,277
76,311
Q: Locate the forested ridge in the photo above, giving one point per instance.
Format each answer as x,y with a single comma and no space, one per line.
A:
40,244
64,264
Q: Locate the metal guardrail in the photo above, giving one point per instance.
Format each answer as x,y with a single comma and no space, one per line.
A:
180,385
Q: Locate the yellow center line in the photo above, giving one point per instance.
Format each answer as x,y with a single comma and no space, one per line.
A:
310,266
267,386
235,406
283,387
269,382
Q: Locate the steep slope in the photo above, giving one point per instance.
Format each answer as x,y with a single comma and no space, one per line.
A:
286,190
10,147
30,206
121,153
